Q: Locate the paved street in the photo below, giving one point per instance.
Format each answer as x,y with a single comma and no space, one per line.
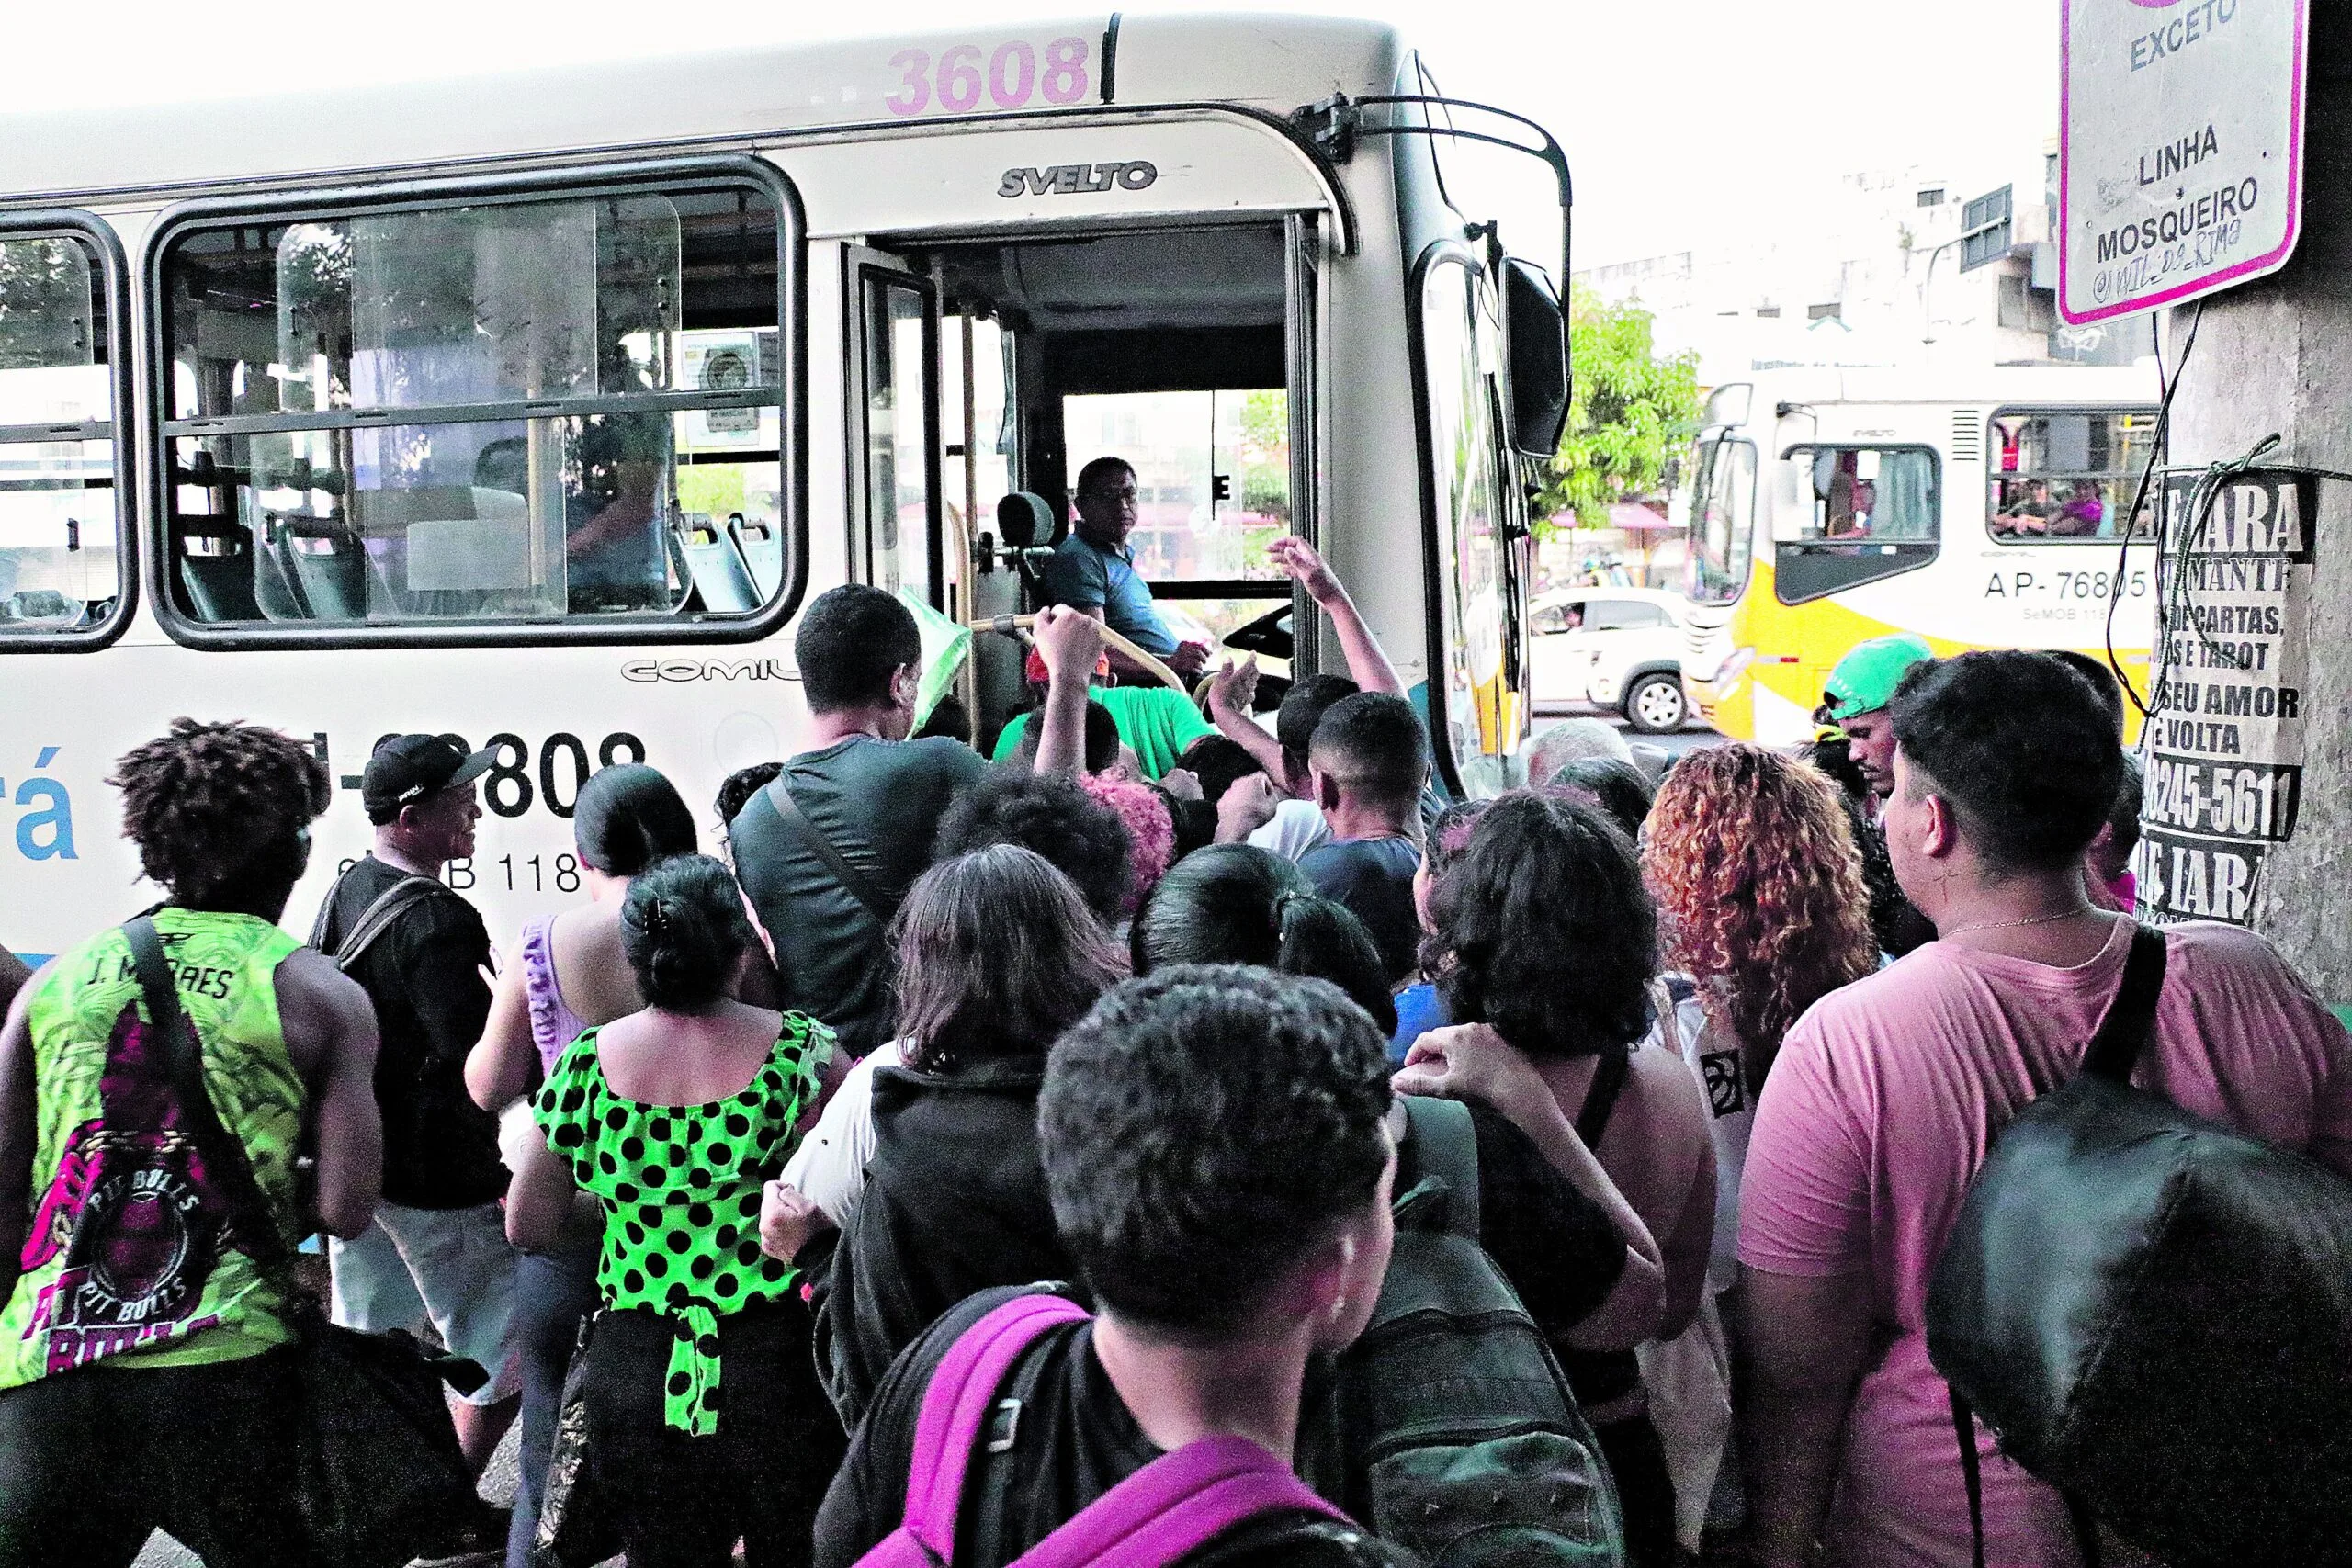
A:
1690,738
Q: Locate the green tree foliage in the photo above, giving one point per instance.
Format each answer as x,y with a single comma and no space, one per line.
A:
1265,454
1630,409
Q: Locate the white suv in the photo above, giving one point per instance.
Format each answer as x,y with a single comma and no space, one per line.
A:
1620,648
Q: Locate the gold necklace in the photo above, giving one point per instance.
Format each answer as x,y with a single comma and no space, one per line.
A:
2010,925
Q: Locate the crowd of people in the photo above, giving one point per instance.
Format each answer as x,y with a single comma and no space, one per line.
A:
801,1132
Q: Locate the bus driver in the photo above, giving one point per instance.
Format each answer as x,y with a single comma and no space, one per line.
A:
1094,571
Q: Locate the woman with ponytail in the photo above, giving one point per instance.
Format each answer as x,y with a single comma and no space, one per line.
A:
1239,904
568,973
704,1412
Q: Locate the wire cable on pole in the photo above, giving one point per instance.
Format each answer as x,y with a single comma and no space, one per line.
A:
2139,498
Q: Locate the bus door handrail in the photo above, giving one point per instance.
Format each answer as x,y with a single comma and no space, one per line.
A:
1013,625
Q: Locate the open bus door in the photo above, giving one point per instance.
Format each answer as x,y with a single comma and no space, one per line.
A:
1491,382
896,541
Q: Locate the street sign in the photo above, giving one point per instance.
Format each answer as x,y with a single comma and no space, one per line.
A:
2180,149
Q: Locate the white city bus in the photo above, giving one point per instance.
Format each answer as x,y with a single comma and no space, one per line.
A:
532,410
1979,510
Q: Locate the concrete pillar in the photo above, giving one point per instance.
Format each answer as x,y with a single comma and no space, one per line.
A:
2277,355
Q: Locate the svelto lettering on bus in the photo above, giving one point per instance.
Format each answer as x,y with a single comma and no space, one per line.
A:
1076,179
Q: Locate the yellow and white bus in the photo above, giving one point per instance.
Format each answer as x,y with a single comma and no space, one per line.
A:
532,409
1982,510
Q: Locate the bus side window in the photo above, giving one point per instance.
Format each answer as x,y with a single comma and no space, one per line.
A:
542,408
59,574
1872,512
2068,474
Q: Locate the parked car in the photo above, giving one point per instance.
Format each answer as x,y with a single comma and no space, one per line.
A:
1620,648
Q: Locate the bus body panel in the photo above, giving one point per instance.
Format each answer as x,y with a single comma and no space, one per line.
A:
700,710
1756,666
1270,63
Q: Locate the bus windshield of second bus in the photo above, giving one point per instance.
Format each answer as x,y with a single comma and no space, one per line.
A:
1716,503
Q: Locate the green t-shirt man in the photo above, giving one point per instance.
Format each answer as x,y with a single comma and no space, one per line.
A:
1158,722
126,1258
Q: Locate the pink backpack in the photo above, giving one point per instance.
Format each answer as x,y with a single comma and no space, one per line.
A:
1176,1503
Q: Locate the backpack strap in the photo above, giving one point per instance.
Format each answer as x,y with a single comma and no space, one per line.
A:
860,885
225,1159
1176,1505
1608,1082
1963,1427
1972,1476
956,1405
1445,1145
2124,1031
2112,1053
374,921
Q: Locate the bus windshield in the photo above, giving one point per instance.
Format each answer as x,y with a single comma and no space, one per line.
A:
1720,507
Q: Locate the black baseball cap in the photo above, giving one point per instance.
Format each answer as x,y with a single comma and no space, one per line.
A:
407,768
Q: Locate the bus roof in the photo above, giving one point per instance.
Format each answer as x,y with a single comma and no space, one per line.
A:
1989,385
1272,62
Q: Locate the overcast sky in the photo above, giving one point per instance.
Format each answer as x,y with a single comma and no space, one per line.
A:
1684,120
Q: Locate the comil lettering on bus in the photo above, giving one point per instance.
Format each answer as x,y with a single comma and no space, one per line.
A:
1074,179
2193,24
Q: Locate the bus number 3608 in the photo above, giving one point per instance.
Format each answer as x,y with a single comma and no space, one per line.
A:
562,768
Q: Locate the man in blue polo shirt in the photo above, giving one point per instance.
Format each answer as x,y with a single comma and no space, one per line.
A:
1094,571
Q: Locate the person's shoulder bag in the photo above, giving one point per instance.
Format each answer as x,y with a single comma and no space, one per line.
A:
2152,1313
381,1479
815,839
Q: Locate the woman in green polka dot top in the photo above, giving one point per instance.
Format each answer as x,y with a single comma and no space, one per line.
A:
704,1413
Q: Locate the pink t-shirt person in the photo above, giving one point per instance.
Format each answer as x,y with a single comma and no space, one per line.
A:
1878,1113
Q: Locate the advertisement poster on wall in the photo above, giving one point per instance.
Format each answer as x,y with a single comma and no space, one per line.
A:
2223,749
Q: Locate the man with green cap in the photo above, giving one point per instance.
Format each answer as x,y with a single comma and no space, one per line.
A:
1859,692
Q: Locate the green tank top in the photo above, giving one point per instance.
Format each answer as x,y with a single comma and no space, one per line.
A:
680,1186
129,1259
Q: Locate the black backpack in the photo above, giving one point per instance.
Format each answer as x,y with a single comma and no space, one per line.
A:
2153,1314
1463,1442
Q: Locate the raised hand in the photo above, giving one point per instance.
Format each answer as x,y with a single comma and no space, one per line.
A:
1069,642
1469,1061
1248,804
1235,687
1302,563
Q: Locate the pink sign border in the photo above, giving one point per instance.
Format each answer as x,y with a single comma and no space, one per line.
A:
2251,267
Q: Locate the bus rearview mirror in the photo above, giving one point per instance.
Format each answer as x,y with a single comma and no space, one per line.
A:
1537,335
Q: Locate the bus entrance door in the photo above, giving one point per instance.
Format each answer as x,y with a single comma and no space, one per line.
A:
895,535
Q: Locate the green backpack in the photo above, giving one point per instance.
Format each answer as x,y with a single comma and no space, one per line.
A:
1463,1443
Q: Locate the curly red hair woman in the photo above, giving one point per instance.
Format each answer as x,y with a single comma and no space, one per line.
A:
1760,891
